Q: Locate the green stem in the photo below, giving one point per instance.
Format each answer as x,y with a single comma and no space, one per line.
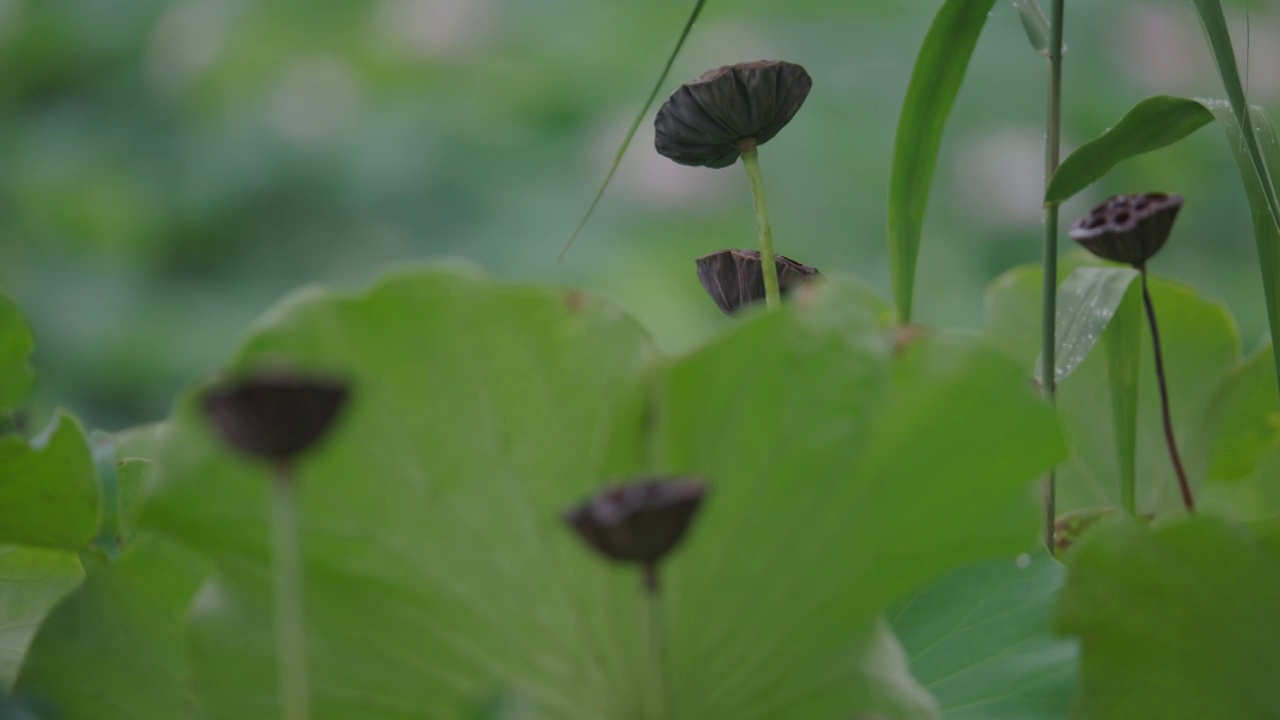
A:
768,265
655,647
291,633
1048,318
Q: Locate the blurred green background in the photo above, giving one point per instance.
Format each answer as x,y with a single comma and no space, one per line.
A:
170,168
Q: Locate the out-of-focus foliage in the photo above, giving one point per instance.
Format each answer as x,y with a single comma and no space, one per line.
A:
170,167
439,573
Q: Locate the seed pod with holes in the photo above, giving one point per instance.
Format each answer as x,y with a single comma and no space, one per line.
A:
274,416
638,522
735,278
1128,228
706,121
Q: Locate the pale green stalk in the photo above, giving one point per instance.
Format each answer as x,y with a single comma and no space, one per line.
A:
290,622
751,159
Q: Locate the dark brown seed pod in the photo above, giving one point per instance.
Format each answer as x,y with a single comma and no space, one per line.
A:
639,522
735,278
706,121
274,416
1128,228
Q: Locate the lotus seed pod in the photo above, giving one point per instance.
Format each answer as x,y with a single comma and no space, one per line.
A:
735,278
1128,229
274,416
709,121
639,522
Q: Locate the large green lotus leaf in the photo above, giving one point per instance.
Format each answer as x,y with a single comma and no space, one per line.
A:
32,580
440,577
1201,347
861,459
979,639
49,488
1179,622
114,648
16,344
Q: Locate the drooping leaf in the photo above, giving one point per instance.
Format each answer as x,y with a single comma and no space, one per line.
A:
481,411
635,124
32,580
16,344
935,81
1201,346
1266,231
1152,124
114,648
1087,300
979,640
1177,622
1035,23
48,488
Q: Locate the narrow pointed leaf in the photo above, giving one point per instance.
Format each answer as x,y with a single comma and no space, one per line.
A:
1152,124
635,124
1035,23
935,81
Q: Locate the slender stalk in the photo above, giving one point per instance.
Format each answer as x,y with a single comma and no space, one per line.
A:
291,633
1183,485
655,646
768,265
1049,307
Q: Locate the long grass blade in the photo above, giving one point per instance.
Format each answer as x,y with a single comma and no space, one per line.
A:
1265,231
935,81
635,125
1215,28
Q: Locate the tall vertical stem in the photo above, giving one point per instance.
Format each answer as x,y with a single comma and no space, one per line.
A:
290,627
1183,485
1049,307
767,263
655,645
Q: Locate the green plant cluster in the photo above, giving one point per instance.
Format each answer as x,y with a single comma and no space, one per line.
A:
866,547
